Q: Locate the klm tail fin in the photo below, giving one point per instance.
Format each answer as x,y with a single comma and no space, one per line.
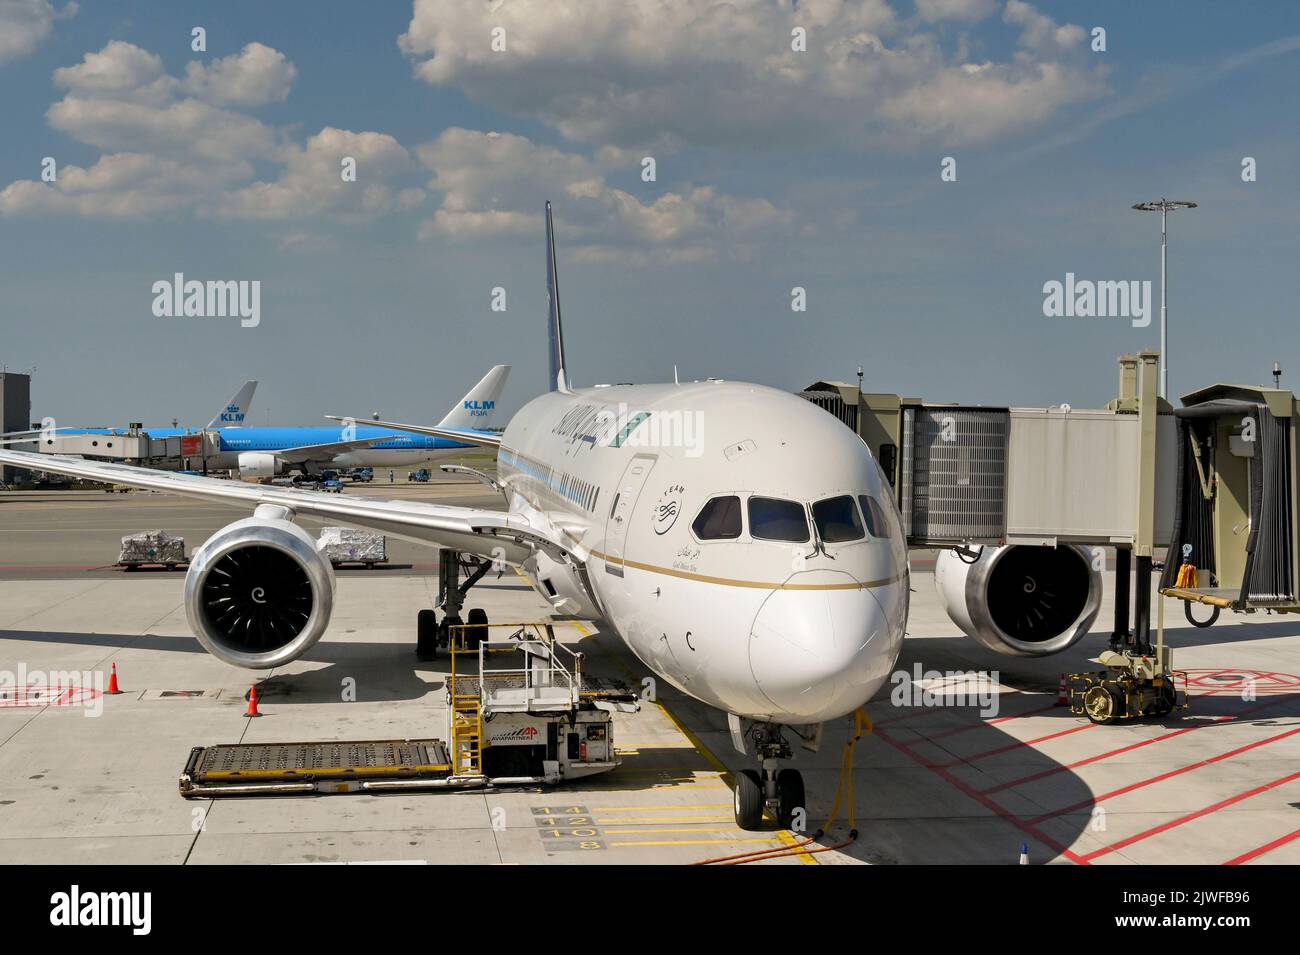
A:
236,409
475,409
559,375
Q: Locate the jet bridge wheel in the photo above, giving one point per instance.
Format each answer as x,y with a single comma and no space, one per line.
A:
749,799
426,635
1104,703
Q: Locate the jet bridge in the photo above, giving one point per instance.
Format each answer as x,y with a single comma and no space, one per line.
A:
1235,532
968,474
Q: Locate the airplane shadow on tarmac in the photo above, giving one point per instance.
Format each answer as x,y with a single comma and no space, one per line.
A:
937,784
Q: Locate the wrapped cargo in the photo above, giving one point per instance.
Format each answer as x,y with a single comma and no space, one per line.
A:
347,545
152,547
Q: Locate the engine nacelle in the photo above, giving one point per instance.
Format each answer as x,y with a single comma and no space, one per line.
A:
256,465
1020,600
258,593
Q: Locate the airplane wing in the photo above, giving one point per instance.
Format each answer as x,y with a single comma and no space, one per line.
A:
483,439
485,533
319,452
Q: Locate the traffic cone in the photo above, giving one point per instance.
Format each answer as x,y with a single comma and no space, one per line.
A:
1062,695
252,702
112,682
1024,853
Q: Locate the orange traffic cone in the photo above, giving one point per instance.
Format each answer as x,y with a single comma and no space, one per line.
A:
1062,695
252,702
112,681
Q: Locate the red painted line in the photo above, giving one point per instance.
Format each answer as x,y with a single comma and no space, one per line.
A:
910,714
1266,847
1221,804
1084,762
1020,744
972,793
1141,784
1132,746
1001,719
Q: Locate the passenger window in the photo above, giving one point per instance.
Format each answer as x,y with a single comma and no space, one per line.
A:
874,515
773,519
837,520
719,519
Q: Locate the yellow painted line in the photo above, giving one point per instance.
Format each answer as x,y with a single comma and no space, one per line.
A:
668,819
670,771
637,832
719,807
709,756
692,842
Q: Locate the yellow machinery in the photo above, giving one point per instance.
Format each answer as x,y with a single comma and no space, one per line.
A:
519,712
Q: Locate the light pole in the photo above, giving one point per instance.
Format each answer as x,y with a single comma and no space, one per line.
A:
1163,207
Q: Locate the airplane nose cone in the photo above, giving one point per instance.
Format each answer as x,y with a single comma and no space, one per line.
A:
812,647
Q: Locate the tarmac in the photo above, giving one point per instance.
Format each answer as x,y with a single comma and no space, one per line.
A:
87,777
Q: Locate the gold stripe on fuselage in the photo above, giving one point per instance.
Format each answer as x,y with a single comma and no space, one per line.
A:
732,582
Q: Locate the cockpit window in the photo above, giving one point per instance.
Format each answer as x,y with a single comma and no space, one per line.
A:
772,519
837,520
874,515
719,519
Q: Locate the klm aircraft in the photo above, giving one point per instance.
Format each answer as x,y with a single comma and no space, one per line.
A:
258,453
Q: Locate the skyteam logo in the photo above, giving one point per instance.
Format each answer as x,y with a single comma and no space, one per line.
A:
480,409
232,415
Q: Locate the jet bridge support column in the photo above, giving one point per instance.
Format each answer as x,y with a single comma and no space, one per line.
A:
1123,569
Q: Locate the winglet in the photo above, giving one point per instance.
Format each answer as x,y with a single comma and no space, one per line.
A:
559,375
236,409
475,409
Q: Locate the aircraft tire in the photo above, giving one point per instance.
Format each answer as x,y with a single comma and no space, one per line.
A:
790,795
749,800
426,635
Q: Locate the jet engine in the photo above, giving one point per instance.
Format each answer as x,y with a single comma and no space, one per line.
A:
255,465
258,593
1020,600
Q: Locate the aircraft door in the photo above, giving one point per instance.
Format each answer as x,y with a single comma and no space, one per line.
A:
620,514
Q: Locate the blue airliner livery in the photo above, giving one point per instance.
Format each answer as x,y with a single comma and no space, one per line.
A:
258,453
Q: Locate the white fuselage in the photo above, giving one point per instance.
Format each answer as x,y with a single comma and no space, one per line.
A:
772,630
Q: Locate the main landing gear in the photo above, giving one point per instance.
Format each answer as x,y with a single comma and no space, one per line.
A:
432,632
770,787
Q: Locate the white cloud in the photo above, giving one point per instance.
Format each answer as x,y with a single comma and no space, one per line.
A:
312,182
24,25
490,184
120,186
700,72
933,10
173,145
254,76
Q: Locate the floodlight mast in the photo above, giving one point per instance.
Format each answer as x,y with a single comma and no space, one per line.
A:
1163,207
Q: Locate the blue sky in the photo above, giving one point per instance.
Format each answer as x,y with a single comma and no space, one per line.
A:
774,169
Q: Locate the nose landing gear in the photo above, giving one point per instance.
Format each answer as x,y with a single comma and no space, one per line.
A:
770,788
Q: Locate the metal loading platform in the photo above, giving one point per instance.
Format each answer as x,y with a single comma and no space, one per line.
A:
300,768
519,712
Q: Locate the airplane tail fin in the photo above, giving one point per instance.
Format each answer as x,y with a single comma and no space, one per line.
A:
559,375
475,409
236,409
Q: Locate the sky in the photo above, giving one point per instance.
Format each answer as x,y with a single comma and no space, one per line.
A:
775,169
